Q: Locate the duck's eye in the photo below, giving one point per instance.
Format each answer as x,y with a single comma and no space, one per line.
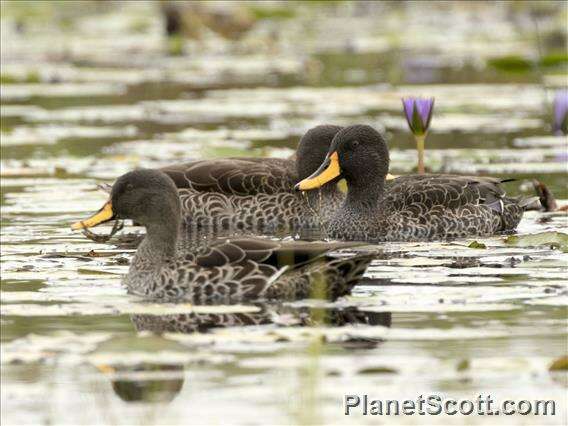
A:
129,187
354,144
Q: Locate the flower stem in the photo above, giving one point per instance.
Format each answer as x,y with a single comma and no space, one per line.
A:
420,148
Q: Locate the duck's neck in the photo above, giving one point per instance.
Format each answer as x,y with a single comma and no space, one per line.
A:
162,237
157,247
324,201
329,191
159,244
364,194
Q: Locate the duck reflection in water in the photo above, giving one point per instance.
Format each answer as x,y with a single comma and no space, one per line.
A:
146,382
161,383
267,314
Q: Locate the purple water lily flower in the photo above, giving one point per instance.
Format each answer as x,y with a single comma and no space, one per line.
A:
561,112
418,112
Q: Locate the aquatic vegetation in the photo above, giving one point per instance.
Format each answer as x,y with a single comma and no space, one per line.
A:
553,239
102,96
560,364
516,64
418,113
560,125
24,91
512,64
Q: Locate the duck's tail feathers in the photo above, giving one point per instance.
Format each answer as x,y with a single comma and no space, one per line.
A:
510,210
529,202
524,203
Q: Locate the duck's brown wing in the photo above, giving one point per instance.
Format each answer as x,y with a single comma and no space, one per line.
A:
235,176
448,191
248,269
448,206
276,254
295,269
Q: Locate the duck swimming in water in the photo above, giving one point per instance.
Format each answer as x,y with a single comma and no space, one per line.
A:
257,194
252,194
166,268
409,208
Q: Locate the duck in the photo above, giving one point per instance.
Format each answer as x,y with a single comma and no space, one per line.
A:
257,194
223,271
249,194
409,208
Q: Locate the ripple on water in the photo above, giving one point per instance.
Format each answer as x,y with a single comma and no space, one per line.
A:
446,317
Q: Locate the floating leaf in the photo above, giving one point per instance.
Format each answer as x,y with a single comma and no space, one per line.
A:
560,364
463,365
377,370
477,245
553,239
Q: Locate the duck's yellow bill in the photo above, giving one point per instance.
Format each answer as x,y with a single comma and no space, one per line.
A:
328,171
103,215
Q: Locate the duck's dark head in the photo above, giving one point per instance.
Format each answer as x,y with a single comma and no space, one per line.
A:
313,148
357,153
146,196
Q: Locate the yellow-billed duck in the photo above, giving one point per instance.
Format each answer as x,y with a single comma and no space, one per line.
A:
223,272
409,208
257,194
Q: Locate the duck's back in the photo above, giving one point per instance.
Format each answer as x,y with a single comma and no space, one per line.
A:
257,194
422,207
240,269
254,194
235,176
265,213
430,207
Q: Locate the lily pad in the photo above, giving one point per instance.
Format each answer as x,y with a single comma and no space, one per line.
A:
477,245
554,239
377,370
463,365
560,364
11,92
89,93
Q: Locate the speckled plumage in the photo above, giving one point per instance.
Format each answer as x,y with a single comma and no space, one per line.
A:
415,207
262,212
238,176
243,269
225,271
257,193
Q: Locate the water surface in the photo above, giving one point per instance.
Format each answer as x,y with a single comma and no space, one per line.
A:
83,104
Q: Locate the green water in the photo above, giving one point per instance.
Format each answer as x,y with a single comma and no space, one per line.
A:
88,96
